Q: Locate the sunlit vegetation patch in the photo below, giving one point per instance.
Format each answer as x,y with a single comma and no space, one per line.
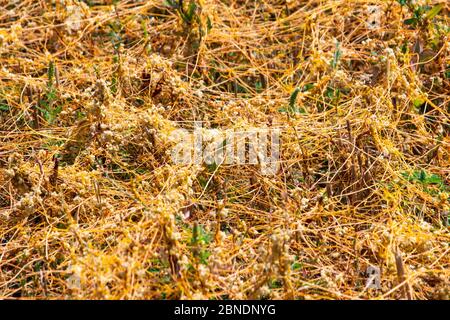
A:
93,206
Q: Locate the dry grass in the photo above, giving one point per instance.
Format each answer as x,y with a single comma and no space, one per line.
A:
89,94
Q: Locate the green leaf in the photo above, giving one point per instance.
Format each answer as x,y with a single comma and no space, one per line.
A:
51,95
293,98
208,23
337,55
171,3
308,87
411,21
447,73
295,110
258,86
4,107
191,11
144,29
50,72
330,93
434,11
422,176
296,266
300,110
204,255
49,114
202,181
274,284
434,179
418,102
211,167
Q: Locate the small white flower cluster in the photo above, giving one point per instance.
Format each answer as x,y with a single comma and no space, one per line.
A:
374,16
28,203
11,36
184,263
75,16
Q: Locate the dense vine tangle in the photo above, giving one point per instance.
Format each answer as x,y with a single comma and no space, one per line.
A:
92,204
